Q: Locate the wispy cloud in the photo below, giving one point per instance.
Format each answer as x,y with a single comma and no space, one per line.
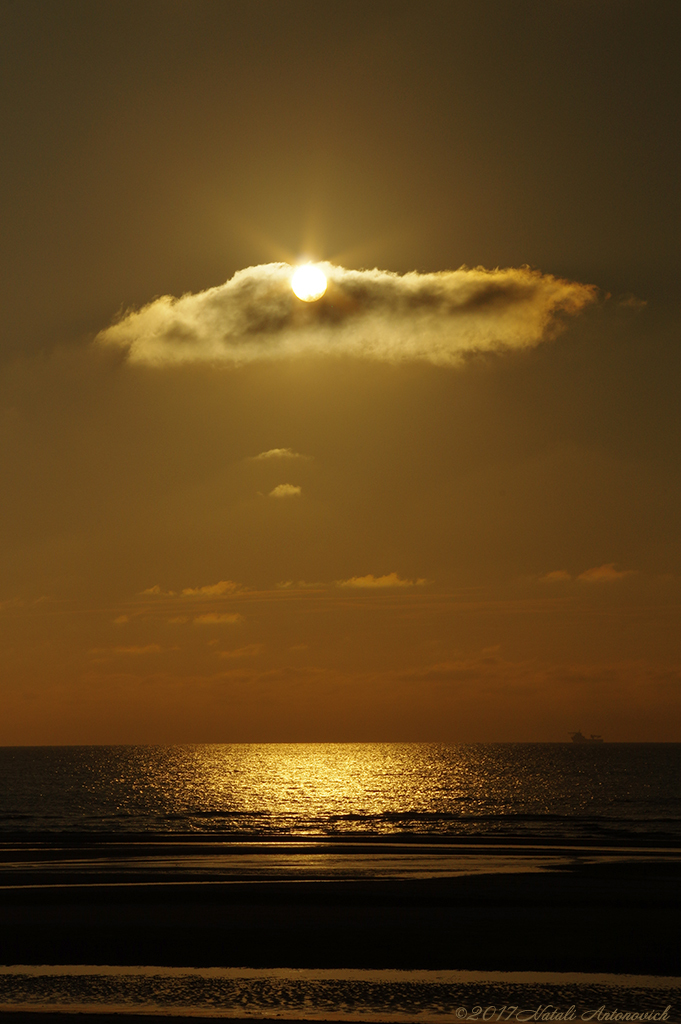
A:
604,574
632,302
212,589
134,650
557,576
250,651
220,589
391,580
280,453
218,619
286,491
358,582
300,585
365,313
599,574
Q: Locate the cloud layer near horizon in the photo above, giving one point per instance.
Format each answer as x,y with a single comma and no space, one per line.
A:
366,313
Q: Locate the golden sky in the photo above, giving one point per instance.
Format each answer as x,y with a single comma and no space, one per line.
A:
440,503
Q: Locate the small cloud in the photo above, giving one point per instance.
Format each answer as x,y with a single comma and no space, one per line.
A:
212,590
391,580
178,620
249,651
121,620
286,491
156,591
218,619
557,576
632,302
280,453
299,647
604,574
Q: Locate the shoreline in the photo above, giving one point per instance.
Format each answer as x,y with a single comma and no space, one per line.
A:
49,865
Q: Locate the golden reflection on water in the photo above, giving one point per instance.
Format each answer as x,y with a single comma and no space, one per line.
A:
308,787
335,781
330,789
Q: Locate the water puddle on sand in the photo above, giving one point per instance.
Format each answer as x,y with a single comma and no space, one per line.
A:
152,865
338,995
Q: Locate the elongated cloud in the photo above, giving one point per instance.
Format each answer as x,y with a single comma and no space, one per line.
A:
148,649
364,313
599,574
220,589
279,453
391,580
218,619
212,590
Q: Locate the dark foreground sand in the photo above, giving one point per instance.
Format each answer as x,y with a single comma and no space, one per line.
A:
601,919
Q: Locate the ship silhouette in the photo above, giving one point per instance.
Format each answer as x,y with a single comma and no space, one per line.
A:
577,737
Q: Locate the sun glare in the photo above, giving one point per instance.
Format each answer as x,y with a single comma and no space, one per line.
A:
308,282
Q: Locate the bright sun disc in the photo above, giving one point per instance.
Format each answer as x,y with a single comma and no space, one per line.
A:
308,283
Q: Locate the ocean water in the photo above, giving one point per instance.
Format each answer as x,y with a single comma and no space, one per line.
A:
555,791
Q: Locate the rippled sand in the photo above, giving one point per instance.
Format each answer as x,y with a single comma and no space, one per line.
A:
350,995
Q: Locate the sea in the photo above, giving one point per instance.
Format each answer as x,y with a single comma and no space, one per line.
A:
328,813
551,791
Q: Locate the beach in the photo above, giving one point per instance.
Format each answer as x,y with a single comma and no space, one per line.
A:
184,903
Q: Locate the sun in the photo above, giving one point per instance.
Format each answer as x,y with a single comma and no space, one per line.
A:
308,282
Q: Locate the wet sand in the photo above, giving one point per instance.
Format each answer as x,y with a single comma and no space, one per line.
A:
540,909
600,920
527,907
317,995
